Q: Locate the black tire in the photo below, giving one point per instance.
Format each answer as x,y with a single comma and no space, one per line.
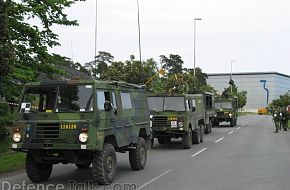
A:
211,126
232,122
196,136
152,143
138,156
164,140
37,172
201,133
104,165
83,166
208,128
187,139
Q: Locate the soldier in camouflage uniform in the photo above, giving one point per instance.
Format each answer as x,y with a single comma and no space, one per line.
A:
284,119
276,119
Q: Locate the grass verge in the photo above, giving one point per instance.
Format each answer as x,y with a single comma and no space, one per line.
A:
10,160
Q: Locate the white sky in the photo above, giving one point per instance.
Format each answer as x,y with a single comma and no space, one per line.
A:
255,33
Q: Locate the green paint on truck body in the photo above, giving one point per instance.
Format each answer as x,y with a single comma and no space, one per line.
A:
173,116
226,110
52,115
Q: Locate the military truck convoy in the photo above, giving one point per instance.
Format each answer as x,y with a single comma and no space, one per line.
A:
85,122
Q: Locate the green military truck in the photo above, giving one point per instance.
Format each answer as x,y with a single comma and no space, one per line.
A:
226,110
209,99
175,116
82,122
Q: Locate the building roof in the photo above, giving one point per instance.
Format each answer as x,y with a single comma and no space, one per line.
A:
249,73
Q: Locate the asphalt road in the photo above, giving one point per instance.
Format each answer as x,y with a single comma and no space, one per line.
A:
247,157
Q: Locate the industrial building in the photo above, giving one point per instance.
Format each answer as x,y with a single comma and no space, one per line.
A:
262,87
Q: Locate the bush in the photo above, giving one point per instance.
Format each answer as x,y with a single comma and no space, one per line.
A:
3,108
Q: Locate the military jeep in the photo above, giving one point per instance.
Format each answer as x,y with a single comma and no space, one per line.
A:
82,122
226,110
175,116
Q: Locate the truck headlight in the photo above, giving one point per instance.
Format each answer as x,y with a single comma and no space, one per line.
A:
215,115
16,137
83,137
180,124
230,114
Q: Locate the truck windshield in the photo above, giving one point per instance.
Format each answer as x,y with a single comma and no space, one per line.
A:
223,105
73,98
40,99
227,105
166,103
70,98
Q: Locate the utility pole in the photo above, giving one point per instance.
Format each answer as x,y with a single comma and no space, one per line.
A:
139,31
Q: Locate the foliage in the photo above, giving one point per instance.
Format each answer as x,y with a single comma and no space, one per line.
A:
23,45
233,91
283,101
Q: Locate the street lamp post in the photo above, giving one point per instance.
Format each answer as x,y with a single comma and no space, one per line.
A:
139,32
194,42
232,61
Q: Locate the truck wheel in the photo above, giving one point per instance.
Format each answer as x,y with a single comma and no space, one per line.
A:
210,124
83,166
105,165
152,142
196,136
187,139
164,140
208,128
37,172
232,122
138,157
201,126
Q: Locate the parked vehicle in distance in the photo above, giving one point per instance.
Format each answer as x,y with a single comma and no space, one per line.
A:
263,111
177,115
226,110
83,122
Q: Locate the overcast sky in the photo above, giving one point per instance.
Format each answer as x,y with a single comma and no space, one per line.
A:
255,33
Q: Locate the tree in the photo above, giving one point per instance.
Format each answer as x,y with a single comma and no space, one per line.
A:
100,66
24,46
173,64
283,101
233,91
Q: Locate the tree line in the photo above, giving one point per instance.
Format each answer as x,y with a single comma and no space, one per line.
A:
24,56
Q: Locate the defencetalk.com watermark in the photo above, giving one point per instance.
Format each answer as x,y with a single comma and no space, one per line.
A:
70,185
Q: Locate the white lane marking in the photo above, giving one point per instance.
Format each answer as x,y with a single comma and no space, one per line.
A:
238,128
219,140
230,132
194,155
154,179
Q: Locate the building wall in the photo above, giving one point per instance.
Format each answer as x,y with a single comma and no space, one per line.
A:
278,84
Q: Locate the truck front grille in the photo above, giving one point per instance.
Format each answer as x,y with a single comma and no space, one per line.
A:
220,114
47,131
160,121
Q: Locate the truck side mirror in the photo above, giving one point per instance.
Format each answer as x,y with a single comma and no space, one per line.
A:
108,106
193,109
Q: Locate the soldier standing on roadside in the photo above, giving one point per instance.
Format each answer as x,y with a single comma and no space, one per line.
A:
276,119
284,119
